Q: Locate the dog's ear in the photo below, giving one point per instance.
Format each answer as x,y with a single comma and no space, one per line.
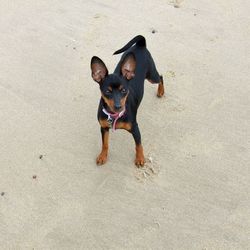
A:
99,69
128,66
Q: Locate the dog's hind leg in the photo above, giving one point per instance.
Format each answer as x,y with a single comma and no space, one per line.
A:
154,77
160,90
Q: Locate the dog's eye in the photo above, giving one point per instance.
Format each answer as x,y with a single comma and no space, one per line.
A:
123,91
107,92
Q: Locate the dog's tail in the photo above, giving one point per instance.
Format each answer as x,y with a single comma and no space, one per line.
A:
139,40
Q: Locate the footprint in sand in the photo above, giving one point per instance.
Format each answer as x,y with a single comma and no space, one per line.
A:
170,74
176,3
148,171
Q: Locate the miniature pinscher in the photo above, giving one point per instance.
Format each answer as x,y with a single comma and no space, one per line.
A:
122,92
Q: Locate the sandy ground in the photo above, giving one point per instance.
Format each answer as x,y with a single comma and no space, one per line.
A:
193,192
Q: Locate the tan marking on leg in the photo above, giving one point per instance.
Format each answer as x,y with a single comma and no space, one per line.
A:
102,158
139,157
104,123
160,91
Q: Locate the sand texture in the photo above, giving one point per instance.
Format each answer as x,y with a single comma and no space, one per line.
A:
194,191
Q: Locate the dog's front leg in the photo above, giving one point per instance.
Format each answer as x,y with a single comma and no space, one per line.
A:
139,156
102,158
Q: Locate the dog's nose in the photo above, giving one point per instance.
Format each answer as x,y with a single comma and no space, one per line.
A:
118,107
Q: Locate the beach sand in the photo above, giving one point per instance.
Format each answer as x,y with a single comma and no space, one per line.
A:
193,192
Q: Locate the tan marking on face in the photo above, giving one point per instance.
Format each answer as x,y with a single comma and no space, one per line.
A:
123,101
109,102
110,88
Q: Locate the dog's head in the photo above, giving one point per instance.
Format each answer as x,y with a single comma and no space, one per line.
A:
114,87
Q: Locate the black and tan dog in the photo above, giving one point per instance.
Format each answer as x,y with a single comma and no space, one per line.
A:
122,92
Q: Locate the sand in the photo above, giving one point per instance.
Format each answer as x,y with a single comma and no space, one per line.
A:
193,192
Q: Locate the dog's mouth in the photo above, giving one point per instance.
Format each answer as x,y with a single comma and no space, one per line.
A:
116,110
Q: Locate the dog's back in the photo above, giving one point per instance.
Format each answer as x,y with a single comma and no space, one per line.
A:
145,66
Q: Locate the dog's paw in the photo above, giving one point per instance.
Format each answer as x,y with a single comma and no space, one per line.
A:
160,91
140,161
139,156
101,159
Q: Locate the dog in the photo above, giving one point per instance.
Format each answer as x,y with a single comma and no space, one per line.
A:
122,92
